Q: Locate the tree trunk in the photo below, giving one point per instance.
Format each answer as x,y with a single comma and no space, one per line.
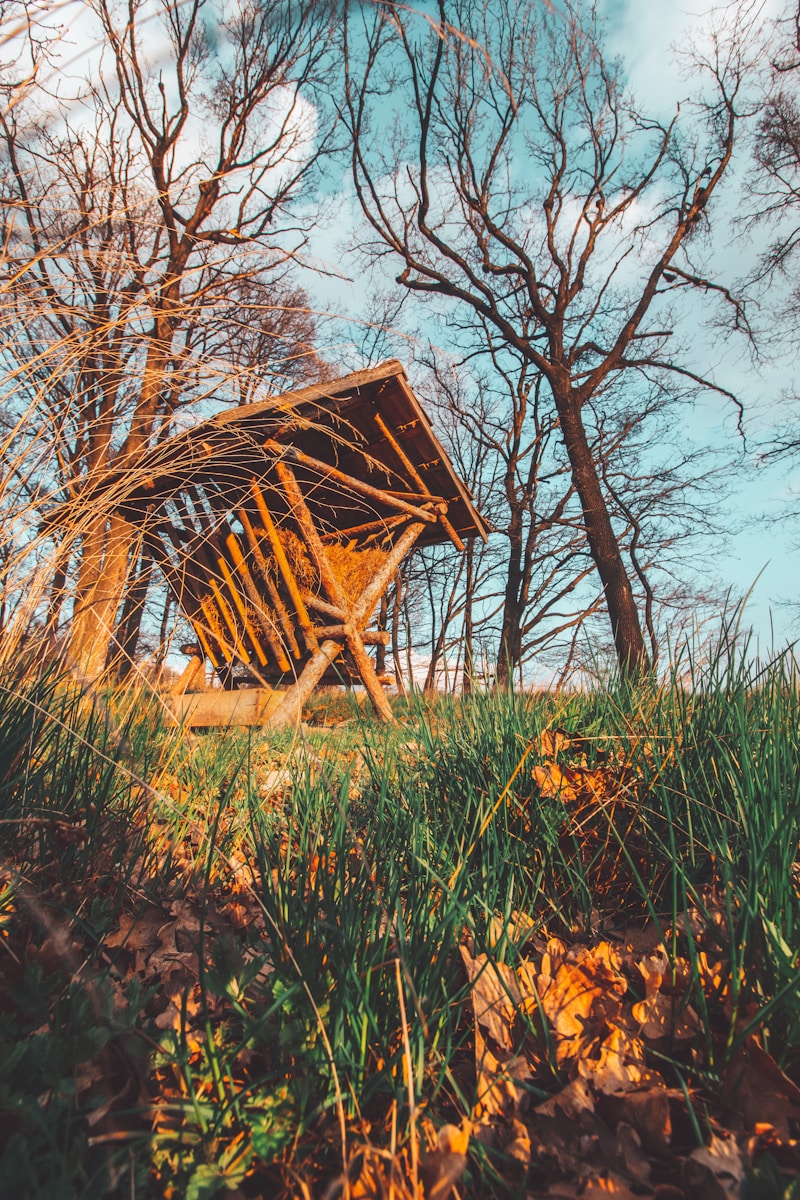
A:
510,649
380,649
603,545
126,636
468,676
108,543
396,615
101,583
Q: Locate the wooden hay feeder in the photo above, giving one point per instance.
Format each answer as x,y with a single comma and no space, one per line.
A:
280,525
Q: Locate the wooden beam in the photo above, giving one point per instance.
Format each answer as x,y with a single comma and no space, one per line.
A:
264,620
219,569
323,606
290,709
384,525
241,608
179,591
370,637
188,677
326,471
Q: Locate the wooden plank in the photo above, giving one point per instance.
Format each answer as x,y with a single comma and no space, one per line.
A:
245,706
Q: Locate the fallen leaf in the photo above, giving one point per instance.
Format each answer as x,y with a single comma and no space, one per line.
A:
628,1152
572,1100
613,1063
756,1091
715,1171
579,994
552,741
659,1017
556,783
495,996
647,1110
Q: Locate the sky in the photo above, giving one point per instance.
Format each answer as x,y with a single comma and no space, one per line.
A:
763,557
763,554
760,558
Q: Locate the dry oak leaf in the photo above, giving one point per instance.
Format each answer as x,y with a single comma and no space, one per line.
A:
495,996
613,1063
756,1092
596,1187
572,1100
552,741
184,1004
443,1167
580,992
647,1110
501,1084
558,783
501,1075
660,1015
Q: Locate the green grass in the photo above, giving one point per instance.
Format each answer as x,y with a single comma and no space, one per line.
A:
355,886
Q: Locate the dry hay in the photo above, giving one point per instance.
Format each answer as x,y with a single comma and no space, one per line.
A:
354,568
296,552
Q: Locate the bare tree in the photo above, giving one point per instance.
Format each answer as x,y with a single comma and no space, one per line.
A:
146,221
516,181
526,492
773,203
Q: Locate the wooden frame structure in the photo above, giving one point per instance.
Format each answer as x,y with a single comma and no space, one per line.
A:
280,525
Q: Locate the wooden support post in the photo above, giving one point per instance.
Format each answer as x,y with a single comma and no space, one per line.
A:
365,605
290,708
305,523
191,674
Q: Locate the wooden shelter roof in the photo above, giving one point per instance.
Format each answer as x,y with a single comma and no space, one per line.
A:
368,425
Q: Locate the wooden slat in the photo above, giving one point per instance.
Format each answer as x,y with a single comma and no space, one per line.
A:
306,623
272,592
249,585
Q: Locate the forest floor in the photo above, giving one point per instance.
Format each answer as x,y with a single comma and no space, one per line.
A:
516,946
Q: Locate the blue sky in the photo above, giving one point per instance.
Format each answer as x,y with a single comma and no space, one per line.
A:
648,36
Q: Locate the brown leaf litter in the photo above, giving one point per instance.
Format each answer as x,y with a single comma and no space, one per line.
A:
574,1017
